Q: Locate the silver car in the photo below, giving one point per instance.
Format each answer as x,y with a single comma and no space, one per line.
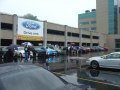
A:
111,60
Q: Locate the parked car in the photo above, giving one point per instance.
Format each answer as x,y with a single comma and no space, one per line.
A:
3,50
21,52
83,49
51,51
41,51
30,77
111,60
56,48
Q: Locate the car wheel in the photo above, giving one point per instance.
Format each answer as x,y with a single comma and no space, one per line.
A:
94,72
94,64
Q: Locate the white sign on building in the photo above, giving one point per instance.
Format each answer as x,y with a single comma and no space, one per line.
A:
29,30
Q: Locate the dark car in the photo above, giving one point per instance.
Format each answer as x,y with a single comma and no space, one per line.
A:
31,77
40,51
3,50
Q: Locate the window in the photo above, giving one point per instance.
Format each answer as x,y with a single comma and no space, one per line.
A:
113,56
6,26
88,44
69,34
85,36
93,22
95,37
93,28
55,32
95,44
75,34
117,43
84,23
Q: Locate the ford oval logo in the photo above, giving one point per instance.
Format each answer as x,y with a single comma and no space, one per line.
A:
31,25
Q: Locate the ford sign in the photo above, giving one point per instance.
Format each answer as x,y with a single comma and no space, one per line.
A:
31,25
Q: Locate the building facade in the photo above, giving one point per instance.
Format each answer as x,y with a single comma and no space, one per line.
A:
87,20
107,18
53,33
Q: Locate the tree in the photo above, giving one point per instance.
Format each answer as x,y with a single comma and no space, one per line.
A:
30,16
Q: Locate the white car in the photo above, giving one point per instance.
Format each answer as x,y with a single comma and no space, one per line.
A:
111,60
21,52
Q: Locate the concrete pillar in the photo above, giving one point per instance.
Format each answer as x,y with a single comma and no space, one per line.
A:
91,41
0,28
45,33
80,37
66,36
118,17
15,22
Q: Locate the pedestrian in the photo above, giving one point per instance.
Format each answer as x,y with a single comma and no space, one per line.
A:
71,50
47,64
29,52
34,55
15,56
8,57
26,52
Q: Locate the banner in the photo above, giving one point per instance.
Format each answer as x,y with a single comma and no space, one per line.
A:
29,30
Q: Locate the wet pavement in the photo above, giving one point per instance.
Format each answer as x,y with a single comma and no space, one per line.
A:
93,79
73,71
102,79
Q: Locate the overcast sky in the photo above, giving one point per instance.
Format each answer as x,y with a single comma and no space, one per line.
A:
63,12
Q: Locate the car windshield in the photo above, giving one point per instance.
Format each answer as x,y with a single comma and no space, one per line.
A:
21,48
4,49
39,48
31,79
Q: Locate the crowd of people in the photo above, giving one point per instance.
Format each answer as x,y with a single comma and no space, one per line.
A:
11,55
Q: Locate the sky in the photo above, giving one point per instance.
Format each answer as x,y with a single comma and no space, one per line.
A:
64,12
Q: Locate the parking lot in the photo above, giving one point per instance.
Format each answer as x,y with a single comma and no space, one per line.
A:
101,79
75,71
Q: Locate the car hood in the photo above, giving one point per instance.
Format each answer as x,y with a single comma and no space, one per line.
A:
22,51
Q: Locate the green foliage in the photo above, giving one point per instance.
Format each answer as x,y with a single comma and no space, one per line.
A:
30,16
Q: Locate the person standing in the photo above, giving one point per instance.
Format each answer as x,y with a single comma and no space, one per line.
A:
15,56
26,52
29,52
34,54
47,65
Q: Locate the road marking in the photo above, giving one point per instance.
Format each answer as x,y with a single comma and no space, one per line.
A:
90,80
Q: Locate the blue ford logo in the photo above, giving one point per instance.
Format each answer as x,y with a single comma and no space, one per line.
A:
31,25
